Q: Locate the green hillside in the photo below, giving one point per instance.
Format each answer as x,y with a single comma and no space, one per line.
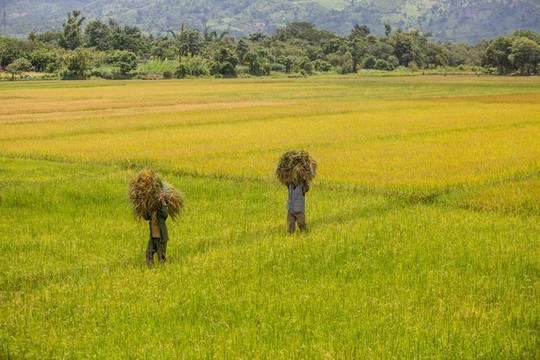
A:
454,20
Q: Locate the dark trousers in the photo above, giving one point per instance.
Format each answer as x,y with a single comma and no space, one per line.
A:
296,217
156,245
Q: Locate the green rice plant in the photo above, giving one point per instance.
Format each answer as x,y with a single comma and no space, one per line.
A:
374,278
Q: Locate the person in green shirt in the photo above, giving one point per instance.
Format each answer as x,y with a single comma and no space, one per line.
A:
159,234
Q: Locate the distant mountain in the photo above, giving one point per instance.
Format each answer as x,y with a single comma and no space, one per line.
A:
448,20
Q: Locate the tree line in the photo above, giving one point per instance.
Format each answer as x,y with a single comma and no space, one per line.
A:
110,50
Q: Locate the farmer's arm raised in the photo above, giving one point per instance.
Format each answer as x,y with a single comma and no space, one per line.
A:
147,215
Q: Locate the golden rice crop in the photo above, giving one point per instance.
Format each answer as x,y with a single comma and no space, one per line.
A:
365,131
510,196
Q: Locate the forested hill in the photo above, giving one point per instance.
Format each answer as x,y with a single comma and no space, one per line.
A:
448,20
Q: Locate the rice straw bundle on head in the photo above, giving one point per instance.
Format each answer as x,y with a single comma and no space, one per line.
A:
146,191
296,166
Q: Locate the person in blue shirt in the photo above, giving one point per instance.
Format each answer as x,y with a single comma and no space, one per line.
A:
296,206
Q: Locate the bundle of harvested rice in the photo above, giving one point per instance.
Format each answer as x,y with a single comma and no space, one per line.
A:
173,198
295,166
147,190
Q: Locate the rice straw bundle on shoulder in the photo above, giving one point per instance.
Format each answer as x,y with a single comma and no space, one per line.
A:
175,200
147,190
295,166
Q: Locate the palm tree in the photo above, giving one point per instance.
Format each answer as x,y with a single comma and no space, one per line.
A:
210,35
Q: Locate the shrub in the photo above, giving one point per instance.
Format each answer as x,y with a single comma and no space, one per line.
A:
274,67
381,64
258,65
18,67
126,61
167,74
413,66
192,66
44,60
322,65
77,62
305,65
182,71
104,72
392,60
368,62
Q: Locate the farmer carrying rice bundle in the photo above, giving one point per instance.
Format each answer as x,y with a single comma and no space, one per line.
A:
154,200
295,169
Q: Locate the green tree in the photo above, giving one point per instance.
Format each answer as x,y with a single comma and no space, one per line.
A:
393,61
242,48
525,55
164,48
358,49
405,49
360,46
342,63
335,45
225,62
359,31
257,37
306,66
435,55
410,47
98,35
381,64
77,62
13,49
210,35
129,38
529,34
387,29
188,41
257,63
125,60
288,63
18,66
52,37
369,61
460,54
305,31
498,54
72,36
44,60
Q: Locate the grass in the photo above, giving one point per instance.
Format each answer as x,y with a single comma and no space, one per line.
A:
423,220
158,66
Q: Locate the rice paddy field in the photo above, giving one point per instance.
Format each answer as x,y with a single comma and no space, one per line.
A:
424,219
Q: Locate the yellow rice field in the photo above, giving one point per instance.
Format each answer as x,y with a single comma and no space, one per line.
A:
423,219
410,134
